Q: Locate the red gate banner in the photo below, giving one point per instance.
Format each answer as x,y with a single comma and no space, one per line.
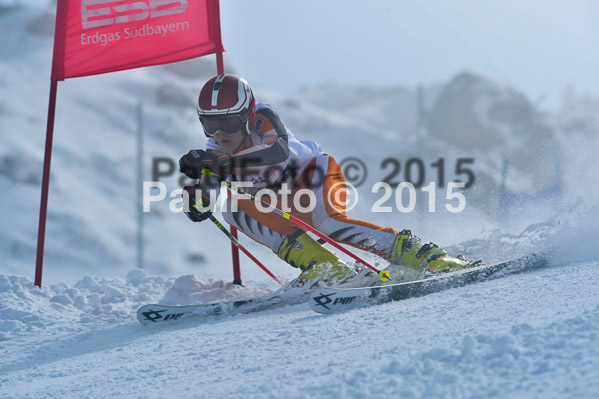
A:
100,36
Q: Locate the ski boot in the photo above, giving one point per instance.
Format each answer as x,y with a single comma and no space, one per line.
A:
318,264
427,258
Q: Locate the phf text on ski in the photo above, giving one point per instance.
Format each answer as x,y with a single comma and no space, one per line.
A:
132,33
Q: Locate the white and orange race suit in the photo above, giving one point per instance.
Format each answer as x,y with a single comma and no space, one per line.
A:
271,156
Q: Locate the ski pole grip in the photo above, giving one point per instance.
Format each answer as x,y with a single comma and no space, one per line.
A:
213,176
208,172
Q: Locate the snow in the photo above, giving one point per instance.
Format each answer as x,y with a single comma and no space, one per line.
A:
528,335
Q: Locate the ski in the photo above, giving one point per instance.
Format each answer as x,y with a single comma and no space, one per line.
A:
159,314
329,300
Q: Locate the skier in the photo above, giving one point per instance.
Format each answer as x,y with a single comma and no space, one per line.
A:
248,142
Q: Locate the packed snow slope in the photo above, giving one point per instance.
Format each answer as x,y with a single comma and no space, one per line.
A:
529,335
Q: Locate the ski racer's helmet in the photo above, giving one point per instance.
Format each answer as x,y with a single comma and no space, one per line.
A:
226,102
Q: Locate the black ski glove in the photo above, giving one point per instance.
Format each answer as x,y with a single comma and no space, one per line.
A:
196,202
192,163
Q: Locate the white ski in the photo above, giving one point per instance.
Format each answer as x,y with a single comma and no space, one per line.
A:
329,300
157,313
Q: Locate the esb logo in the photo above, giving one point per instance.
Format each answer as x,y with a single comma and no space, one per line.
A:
135,11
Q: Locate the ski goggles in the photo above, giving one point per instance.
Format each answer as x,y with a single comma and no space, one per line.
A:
228,125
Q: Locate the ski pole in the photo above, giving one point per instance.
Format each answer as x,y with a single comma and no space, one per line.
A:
384,275
242,248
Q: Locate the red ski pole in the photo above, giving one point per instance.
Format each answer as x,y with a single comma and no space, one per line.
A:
242,248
